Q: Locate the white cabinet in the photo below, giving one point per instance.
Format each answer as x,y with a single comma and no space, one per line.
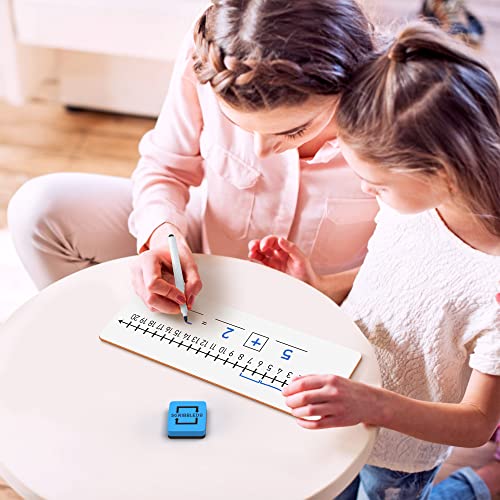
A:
150,29
110,54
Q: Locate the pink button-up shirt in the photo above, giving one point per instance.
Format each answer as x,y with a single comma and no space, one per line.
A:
316,203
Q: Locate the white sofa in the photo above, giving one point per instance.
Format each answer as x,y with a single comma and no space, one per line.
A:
106,54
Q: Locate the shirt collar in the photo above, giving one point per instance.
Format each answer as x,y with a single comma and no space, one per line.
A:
326,153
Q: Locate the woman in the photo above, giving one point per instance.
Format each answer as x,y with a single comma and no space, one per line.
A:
249,118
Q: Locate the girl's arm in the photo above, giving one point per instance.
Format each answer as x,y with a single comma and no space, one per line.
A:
469,423
337,286
340,402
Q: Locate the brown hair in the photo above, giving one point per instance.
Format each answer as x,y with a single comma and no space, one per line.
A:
262,54
424,104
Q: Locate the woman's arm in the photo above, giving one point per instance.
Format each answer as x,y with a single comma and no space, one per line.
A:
170,163
340,402
170,156
283,255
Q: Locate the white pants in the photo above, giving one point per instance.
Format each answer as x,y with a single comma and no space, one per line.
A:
62,223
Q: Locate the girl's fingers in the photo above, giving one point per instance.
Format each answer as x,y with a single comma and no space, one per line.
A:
318,410
304,383
322,423
307,398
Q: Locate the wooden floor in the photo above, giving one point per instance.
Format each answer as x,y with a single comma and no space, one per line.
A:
43,137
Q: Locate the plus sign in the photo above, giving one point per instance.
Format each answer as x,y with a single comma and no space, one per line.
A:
256,342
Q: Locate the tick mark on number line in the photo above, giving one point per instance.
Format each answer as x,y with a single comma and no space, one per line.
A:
230,324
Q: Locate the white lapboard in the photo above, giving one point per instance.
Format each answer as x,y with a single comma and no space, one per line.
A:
235,350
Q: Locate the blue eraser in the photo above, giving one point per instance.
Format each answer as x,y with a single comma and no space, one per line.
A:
187,419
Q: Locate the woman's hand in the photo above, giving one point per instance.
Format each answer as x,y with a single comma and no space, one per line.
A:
337,401
285,256
152,274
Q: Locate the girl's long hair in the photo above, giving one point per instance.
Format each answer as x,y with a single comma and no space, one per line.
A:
262,54
425,104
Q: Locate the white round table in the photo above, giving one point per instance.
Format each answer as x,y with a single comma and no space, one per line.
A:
83,419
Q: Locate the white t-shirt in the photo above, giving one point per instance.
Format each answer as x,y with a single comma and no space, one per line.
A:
426,302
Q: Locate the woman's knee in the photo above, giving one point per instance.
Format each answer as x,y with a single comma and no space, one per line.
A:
39,203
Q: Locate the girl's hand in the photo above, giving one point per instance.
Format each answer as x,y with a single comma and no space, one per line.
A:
337,401
153,278
285,256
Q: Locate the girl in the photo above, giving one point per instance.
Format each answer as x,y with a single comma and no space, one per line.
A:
420,126
249,117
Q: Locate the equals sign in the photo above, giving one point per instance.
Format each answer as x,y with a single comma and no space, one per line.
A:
203,322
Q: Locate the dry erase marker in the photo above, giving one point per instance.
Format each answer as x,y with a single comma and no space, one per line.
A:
179,279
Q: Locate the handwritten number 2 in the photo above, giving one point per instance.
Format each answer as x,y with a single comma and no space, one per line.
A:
225,335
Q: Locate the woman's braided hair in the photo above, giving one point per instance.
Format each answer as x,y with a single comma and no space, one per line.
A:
262,54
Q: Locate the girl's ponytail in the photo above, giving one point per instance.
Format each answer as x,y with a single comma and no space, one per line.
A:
426,104
421,40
